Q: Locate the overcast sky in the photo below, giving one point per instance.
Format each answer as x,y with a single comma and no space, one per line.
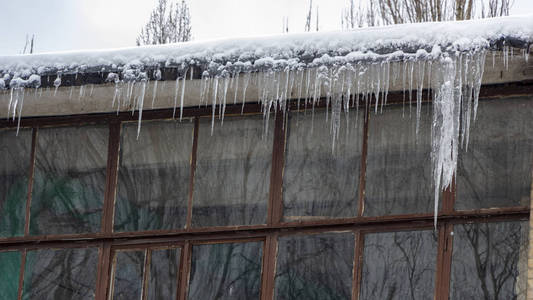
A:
89,24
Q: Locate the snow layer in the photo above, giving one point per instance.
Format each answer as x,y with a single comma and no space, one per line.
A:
288,49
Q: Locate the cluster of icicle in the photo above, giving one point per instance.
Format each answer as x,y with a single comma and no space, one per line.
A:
453,79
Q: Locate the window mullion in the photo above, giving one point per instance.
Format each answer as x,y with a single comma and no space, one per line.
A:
185,266
357,264
362,176
444,261
194,156
21,274
113,153
275,211
30,182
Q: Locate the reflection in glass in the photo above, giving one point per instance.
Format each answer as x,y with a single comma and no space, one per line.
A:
69,180
319,180
15,152
496,169
489,261
398,171
315,266
9,274
399,265
128,273
226,271
60,274
164,267
153,178
233,172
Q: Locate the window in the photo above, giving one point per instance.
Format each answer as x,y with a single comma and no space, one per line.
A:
255,209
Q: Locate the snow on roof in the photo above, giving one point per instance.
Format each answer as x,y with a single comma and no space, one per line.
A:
293,50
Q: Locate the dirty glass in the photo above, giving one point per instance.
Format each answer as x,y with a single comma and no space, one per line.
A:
163,279
69,180
398,172
315,267
9,274
128,275
232,176
495,170
489,261
321,177
60,274
153,176
226,271
15,152
399,265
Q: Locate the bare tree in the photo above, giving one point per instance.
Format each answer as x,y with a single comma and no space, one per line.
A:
285,26
387,12
167,24
309,15
352,16
30,43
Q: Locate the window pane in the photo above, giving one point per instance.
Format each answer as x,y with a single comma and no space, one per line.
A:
15,152
320,181
153,178
489,261
315,266
128,272
226,271
164,267
69,181
398,171
60,274
233,172
9,275
399,265
496,169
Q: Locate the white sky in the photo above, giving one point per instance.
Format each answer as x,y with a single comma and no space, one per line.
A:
90,24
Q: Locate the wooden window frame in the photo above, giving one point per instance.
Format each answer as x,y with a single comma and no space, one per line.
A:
108,241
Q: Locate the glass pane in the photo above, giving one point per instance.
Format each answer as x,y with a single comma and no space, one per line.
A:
233,172
69,181
399,265
153,177
398,172
489,261
164,268
128,272
15,153
319,180
60,274
496,169
226,271
9,275
315,266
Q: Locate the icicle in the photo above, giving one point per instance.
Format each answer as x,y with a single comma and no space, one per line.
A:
226,85
20,110
176,97
420,87
10,101
140,106
213,108
444,143
236,89
183,81
154,94
246,82
81,92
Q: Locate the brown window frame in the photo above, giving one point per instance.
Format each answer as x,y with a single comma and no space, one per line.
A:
108,241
